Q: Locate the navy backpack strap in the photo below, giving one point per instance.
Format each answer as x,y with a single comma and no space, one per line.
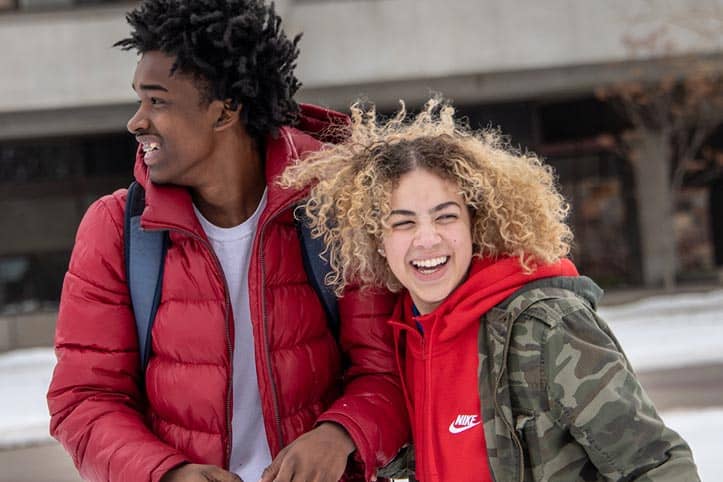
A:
144,255
316,270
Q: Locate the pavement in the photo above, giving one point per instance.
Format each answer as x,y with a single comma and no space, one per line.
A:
618,296
40,463
694,387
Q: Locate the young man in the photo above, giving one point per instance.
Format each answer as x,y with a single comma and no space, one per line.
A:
244,373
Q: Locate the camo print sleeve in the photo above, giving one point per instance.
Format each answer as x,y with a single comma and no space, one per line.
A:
595,396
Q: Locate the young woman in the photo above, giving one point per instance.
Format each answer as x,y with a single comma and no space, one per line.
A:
509,374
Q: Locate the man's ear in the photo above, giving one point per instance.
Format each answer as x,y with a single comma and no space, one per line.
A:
227,116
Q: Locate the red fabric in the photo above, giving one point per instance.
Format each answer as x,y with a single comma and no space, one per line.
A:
97,408
440,369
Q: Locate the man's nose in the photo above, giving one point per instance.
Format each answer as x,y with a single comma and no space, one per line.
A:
138,123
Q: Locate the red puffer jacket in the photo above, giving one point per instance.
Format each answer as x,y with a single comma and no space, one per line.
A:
98,409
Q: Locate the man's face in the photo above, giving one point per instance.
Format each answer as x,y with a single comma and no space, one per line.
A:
173,124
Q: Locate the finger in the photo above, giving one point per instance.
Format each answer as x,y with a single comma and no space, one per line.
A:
207,473
217,474
269,473
287,471
285,474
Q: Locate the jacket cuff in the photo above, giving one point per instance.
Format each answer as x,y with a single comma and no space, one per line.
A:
363,452
166,465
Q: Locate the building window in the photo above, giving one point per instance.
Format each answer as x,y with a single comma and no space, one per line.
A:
599,187
45,188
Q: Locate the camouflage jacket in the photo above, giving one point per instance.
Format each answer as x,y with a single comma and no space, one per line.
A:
560,401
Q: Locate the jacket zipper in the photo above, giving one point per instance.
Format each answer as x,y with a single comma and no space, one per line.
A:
498,410
264,320
421,413
229,345
265,329
427,413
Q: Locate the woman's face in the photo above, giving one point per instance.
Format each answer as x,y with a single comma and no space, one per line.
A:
428,240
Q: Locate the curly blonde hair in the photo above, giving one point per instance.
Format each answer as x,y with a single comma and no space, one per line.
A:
515,207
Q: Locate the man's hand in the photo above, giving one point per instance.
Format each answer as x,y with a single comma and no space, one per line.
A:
317,456
199,473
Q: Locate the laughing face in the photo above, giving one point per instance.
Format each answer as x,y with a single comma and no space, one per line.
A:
428,238
173,124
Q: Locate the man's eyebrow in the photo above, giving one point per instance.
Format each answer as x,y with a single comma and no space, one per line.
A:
150,87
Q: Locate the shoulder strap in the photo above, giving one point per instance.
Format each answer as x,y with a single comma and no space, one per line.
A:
317,268
144,255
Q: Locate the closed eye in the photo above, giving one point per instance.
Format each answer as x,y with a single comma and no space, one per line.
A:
402,224
446,218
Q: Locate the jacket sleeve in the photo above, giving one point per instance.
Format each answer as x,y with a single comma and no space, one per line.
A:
95,403
372,407
595,395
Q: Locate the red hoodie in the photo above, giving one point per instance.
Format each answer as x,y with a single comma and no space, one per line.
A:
439,368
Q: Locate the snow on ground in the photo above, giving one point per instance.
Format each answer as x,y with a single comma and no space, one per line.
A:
24,379
670,331
659,332
702,430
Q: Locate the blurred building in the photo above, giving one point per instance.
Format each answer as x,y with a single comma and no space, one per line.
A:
530,67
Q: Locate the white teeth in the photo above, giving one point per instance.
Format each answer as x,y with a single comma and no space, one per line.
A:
430,263
153,146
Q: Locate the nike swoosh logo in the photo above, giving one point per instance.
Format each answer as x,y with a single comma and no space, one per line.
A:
455,429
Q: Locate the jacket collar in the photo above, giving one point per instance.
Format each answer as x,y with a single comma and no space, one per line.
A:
170,206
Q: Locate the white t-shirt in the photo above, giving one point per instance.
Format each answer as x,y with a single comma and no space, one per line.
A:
250,453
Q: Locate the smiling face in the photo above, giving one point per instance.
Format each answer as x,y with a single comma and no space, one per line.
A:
173,124
428,238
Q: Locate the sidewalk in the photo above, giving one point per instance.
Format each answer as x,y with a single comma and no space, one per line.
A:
618,296
39,463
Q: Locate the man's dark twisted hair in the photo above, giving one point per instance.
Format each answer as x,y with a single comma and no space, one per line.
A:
235,49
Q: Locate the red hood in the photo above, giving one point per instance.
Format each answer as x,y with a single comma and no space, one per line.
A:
169,206
489,282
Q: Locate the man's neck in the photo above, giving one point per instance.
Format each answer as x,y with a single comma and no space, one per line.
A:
236,187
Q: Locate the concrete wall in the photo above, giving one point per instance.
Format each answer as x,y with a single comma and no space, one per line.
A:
27,330
469,49
64,59
387,40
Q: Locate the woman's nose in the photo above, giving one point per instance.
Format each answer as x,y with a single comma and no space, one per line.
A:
426,236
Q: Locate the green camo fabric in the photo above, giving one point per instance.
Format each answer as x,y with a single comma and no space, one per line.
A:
560,401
